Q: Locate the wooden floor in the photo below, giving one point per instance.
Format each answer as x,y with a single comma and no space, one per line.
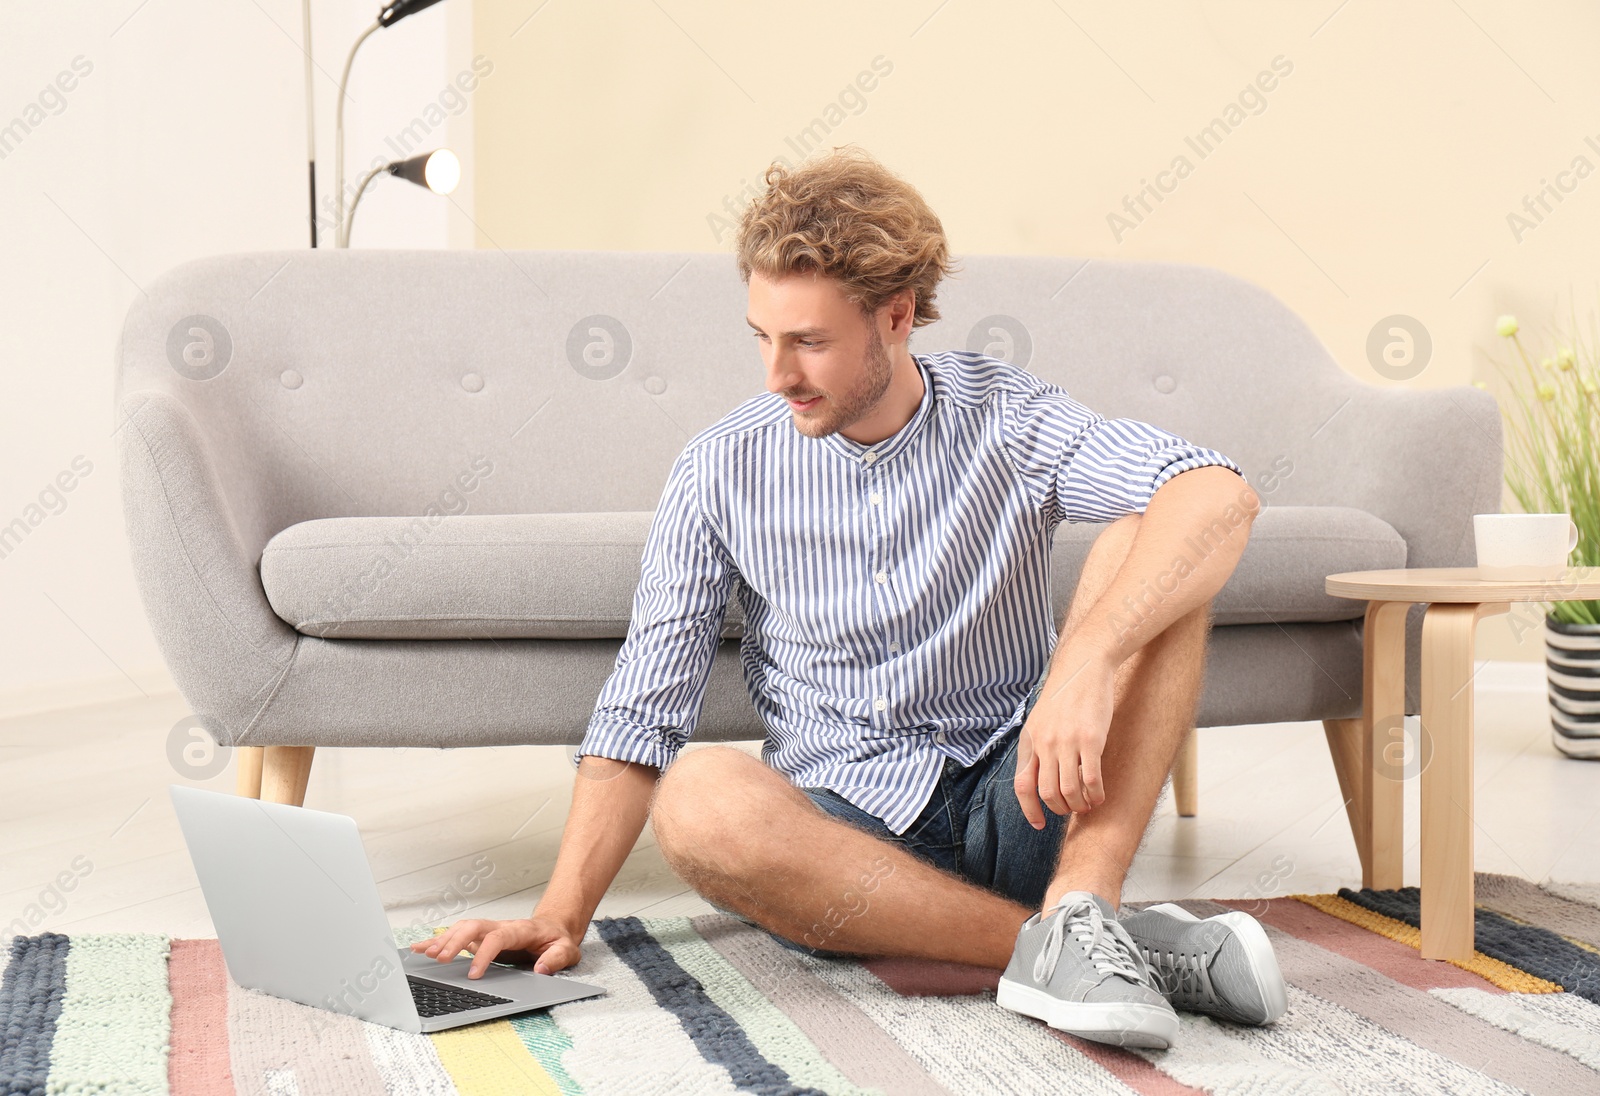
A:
451,833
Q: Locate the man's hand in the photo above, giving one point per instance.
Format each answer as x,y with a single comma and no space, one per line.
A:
552,944
610,802
1059,747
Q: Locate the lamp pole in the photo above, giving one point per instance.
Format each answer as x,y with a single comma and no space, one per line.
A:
311,118
338,134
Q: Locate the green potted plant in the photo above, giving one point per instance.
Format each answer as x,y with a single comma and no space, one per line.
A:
1553,466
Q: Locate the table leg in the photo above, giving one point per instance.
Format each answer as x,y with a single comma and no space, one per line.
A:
1445,755
1383,675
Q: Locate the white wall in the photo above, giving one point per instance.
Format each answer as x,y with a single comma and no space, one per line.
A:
183,134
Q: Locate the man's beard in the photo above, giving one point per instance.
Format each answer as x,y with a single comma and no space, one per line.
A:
834,413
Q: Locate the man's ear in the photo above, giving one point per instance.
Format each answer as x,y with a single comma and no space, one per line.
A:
901,309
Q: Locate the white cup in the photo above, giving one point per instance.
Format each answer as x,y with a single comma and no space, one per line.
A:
1523,546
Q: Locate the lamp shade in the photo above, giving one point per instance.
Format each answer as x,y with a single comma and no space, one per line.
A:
439,170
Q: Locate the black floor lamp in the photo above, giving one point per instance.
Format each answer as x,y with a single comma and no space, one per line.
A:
439,170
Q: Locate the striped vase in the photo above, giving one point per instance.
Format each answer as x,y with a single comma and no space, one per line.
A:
1572,662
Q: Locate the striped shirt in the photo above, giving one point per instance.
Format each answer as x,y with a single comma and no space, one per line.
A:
896,595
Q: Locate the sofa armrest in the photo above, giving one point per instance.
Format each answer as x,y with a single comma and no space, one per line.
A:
225,647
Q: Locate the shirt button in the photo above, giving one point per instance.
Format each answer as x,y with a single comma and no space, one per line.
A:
880,704
882,577
870,457
894,645
940,737
876,498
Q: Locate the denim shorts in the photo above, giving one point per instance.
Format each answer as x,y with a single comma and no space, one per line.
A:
972,826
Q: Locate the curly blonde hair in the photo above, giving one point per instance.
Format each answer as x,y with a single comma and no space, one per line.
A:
847,217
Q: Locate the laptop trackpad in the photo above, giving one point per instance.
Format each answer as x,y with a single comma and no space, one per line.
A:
501,981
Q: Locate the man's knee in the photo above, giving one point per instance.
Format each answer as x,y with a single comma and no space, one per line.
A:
704,810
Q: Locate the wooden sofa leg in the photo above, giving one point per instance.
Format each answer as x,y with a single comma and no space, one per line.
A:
284,773
249,773
1186,776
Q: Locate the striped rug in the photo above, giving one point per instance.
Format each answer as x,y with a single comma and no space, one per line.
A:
709,1005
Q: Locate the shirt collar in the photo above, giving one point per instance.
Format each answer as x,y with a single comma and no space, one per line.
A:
888,447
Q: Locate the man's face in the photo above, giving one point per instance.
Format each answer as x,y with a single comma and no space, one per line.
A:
817,345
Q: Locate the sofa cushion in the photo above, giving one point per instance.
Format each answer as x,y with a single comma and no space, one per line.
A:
573,576
466,576
1281,575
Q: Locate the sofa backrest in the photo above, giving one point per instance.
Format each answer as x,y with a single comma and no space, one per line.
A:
343,383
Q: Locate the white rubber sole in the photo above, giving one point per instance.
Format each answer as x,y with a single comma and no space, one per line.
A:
1263,961
1120,1025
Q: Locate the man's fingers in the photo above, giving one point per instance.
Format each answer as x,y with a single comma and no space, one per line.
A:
558,956
1049,784
1026,785
459,937
1094,791
1071,790
484,953
448,944
505,941
1051,795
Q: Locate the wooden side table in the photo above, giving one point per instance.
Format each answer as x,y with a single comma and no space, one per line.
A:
1374,768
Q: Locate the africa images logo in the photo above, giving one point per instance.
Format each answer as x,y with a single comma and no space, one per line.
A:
599,347
199,347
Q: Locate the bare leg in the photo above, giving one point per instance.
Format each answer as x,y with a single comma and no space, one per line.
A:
1157,695
748,840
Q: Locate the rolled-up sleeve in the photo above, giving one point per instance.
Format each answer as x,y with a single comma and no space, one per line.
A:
1079,465
649,705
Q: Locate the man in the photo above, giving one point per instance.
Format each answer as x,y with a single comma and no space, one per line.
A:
885,519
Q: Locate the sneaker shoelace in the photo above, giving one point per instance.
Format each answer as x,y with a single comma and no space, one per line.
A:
1185,977
1106,943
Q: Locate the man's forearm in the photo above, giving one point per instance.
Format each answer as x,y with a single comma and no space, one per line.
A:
610,804
1188,543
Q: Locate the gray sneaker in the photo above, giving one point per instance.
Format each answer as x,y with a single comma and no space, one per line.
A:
1076,969
1223,965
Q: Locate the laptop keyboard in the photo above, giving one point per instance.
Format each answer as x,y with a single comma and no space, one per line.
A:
436,999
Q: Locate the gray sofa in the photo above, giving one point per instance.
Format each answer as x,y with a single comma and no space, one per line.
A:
400,498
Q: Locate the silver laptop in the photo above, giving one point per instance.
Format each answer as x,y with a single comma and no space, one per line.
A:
298,915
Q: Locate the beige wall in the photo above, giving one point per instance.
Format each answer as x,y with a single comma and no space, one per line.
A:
1375,175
